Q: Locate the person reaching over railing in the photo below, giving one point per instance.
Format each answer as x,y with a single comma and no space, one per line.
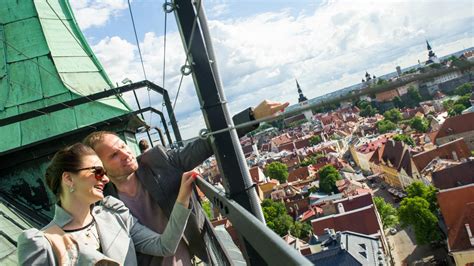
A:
149,184
83,232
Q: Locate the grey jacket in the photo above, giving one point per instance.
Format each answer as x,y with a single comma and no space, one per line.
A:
160,172
119,232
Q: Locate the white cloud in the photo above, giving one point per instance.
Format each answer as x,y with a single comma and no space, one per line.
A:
326,49
96,13
118,57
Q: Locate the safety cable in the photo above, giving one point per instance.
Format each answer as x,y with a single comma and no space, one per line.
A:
177,93
187,65
136,38
164,54
141,59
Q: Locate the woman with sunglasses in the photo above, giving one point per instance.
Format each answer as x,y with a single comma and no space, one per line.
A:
85,233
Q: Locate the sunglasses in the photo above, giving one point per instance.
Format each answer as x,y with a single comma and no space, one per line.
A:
98,171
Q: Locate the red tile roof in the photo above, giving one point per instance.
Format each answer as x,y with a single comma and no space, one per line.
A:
459,236
371,146
256,174
279,140
456,205
456,125
311,213
302,143
393,153
444,151
266,147
286,146
356,202
298,174
454,176
377,155
362,220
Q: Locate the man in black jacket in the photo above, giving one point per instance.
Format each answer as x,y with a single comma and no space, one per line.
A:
149,184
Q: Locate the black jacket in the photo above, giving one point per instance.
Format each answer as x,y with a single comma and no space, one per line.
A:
160,172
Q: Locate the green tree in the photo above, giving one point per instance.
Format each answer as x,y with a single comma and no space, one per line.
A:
278,171
328,175
456,110
297,123
418,189
393,115
206,206
406,139
464,100
419,124
362,104
280,222
312,159
435,66
314,140
368,111
416,212
397,101
301,230
385,126
308,161
414,97
387,212
463,89
448,104
276,217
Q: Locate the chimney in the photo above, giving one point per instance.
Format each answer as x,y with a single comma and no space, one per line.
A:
340,208
455,156
469,233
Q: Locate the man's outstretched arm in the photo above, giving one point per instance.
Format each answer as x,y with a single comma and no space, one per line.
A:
199,150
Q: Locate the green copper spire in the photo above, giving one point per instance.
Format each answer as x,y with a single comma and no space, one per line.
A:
44,60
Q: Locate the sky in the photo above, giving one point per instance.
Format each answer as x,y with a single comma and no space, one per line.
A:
263,46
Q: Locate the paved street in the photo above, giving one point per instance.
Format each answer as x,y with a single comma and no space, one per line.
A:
403,243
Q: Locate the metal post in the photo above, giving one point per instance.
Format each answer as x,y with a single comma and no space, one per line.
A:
143,117
226,146
160,134
174,123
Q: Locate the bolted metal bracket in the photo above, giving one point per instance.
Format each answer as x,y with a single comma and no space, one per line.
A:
169,7
186,70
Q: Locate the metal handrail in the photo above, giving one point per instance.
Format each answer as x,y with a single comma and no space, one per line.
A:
270,246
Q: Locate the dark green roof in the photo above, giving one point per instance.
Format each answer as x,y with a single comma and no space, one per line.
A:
44,60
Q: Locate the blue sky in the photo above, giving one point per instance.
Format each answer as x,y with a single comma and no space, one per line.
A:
262,46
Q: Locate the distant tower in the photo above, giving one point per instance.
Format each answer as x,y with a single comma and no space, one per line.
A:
302,98
367,76
432,58
399,71
303,102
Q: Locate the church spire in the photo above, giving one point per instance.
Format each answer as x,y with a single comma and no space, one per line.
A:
301,98
428,46
432,58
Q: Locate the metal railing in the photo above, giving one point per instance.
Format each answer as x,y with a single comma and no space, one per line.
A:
270,246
